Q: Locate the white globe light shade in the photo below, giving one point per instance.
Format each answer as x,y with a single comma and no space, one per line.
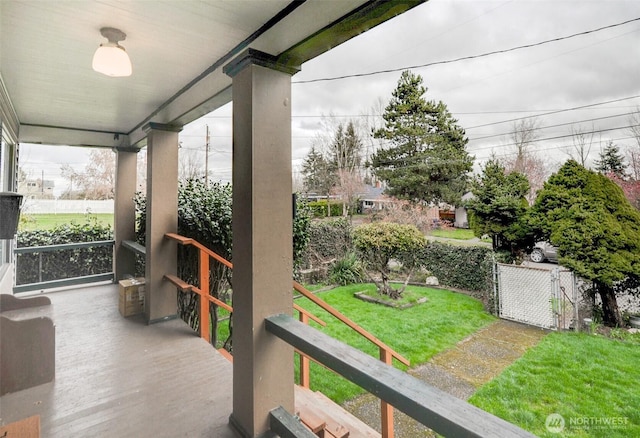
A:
112,60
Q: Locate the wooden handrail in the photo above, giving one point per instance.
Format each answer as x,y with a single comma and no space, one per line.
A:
189,241
436,409
333,311
304,291
185,287
386,353
309,315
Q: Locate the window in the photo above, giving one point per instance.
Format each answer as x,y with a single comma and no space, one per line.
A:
8,167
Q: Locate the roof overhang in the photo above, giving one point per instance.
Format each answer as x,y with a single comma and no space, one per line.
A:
49,94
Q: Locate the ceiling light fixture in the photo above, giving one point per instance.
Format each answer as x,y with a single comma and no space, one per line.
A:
111,59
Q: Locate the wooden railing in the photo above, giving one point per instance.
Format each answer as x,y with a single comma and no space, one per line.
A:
436,409
204,254
387,354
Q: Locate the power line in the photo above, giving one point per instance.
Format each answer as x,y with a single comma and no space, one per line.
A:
420,158
543,112
597,131
529,111
464,58
412,166
555,126
564,146
553,112
344,116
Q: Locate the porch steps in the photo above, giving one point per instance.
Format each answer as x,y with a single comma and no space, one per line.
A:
322,416
327,419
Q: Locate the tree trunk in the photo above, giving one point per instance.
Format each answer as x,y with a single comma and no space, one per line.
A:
610,312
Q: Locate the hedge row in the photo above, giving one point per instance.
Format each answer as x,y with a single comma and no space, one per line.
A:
328,240
319,208
461,267
54,265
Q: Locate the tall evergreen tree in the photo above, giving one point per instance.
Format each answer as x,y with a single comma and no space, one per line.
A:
499,202
318,175
611,161
345,158
596,230
427,158
345,149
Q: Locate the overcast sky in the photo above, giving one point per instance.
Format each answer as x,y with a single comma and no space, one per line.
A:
588,69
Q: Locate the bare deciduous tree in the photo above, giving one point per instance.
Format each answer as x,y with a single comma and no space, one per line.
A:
345,158
582,143
633,151
349,184
333,164
190,164
98,179
408,213
525,160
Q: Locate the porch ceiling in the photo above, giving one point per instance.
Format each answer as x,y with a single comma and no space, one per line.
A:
177,49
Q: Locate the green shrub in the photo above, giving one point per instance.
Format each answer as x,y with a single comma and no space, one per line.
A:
329,239
205,214
319,208
379,242
462,267
301,236
347,270
56,265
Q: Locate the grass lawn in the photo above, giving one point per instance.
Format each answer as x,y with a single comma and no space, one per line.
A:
30,222
417,333
453,233
590,380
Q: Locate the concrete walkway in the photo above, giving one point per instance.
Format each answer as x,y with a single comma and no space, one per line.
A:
459,371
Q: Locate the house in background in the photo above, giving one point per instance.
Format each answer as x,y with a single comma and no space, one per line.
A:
37,189
372,199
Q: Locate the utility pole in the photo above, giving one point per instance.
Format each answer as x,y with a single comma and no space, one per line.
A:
206,160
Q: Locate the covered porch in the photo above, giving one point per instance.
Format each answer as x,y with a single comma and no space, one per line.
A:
188,59
150,375
119,376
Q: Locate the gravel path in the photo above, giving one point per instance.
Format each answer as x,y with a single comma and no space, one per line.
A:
459,371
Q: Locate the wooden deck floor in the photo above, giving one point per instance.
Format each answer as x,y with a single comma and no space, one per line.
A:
118,377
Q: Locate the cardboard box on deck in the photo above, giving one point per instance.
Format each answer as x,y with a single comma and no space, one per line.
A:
131,300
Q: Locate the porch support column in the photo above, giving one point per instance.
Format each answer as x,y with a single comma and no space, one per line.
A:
162,217
262,238
124,220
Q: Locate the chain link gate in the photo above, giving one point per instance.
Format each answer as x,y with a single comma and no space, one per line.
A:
539,297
